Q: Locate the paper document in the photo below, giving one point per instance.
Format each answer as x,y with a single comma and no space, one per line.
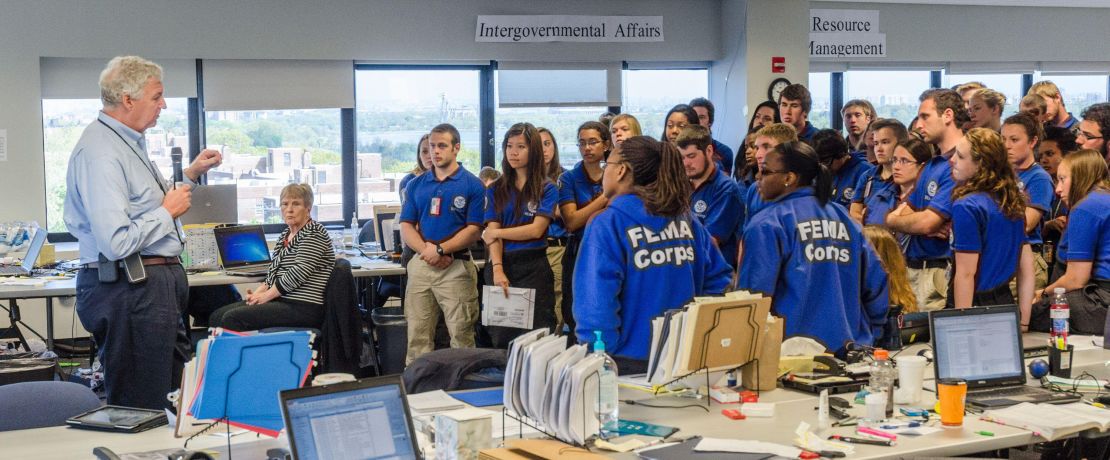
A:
514,311
433,402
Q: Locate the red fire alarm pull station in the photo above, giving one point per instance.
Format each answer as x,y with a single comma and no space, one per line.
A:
778,64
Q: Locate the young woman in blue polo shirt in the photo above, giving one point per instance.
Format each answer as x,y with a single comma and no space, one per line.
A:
1083,184
678,118
557,235
988,226
580,198
808,254
644,254
1021,134
519,208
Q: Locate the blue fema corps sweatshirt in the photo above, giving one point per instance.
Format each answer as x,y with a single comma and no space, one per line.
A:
824,278
632,266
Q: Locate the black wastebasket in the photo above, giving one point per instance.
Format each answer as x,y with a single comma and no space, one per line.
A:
391,333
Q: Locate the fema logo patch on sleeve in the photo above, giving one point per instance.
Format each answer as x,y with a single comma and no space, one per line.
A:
932,188
532,207
1021,185
700,206
849,193
459,202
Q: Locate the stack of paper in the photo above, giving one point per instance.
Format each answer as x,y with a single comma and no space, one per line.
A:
237,377
1052,421
553,386
714,333
433,402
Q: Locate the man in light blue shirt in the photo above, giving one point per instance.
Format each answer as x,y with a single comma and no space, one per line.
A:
118,204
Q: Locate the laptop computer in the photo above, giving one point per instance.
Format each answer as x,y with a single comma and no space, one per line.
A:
243,250
213,204
982,345
29,259
366,419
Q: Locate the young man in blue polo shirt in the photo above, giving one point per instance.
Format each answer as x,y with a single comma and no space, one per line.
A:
858,115
1056,111
722,154
794,106
928,210
716,201
847,169
440,219
767,138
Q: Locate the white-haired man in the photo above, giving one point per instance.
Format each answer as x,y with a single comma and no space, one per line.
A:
120,208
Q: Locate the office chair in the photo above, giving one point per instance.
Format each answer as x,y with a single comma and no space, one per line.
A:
43,404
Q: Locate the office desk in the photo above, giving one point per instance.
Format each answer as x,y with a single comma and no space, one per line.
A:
68,287
63,443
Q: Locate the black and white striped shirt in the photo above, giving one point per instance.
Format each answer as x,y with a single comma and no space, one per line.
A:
300,269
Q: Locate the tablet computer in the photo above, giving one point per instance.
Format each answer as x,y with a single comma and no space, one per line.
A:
119,418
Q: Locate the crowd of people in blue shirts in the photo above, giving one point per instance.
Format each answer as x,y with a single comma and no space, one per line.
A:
960,208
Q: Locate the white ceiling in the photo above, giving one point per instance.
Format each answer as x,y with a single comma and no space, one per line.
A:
1041,3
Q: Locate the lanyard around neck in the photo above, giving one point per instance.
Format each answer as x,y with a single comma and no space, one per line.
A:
157,180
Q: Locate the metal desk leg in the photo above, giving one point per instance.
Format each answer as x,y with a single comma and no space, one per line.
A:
50,323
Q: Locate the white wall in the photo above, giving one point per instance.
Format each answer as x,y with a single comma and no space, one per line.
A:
948,33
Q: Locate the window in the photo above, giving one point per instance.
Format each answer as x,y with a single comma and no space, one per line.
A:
819,91
563,122
264,150
649,94
894,93
1079,91
395,107
63,121
1007,84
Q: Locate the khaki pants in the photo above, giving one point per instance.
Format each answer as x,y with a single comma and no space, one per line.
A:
452,290
930,285
555,259
1040,275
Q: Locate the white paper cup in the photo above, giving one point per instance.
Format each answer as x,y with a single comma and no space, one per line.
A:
911,373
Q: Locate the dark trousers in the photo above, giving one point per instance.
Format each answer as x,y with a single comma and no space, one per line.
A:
569,257
526,268
242,317
137,328
1000,295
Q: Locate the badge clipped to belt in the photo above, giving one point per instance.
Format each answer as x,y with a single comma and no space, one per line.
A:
436,201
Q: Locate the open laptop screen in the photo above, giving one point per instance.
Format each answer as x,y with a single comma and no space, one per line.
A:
243,245
34,249
367,419
980,345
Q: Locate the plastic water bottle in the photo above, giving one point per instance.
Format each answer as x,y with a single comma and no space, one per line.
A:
607,405
1060,313
352,232
883,375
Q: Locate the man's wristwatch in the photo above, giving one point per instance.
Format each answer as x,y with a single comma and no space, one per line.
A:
439,249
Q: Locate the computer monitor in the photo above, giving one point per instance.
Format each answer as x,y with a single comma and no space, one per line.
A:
981,345
242,246
213,204
366,419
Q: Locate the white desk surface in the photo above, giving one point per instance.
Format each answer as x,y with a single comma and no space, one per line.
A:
63,443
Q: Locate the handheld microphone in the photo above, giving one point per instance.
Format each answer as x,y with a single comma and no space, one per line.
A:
175,155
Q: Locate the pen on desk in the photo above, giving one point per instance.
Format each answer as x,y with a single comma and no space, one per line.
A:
854,440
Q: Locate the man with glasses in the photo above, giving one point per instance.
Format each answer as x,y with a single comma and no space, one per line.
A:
847,169
1093,129
716,200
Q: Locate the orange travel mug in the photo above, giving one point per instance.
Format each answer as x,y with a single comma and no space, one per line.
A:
951,393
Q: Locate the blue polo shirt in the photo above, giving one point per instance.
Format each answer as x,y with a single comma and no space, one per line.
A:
846,180
1037,186
979,226
633,266
1088,235
508,217
725,153
753,204
823,277
933,191
442,208
807,133
401,186
860,154
718,206
877,196
575,186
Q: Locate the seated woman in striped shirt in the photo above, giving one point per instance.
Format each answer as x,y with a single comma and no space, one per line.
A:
293,293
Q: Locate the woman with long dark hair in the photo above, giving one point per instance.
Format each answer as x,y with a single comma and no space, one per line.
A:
557,236
767,112
519,208
677,119
988,226
643,254
810,257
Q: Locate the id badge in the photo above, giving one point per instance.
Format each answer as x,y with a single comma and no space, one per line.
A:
435,206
